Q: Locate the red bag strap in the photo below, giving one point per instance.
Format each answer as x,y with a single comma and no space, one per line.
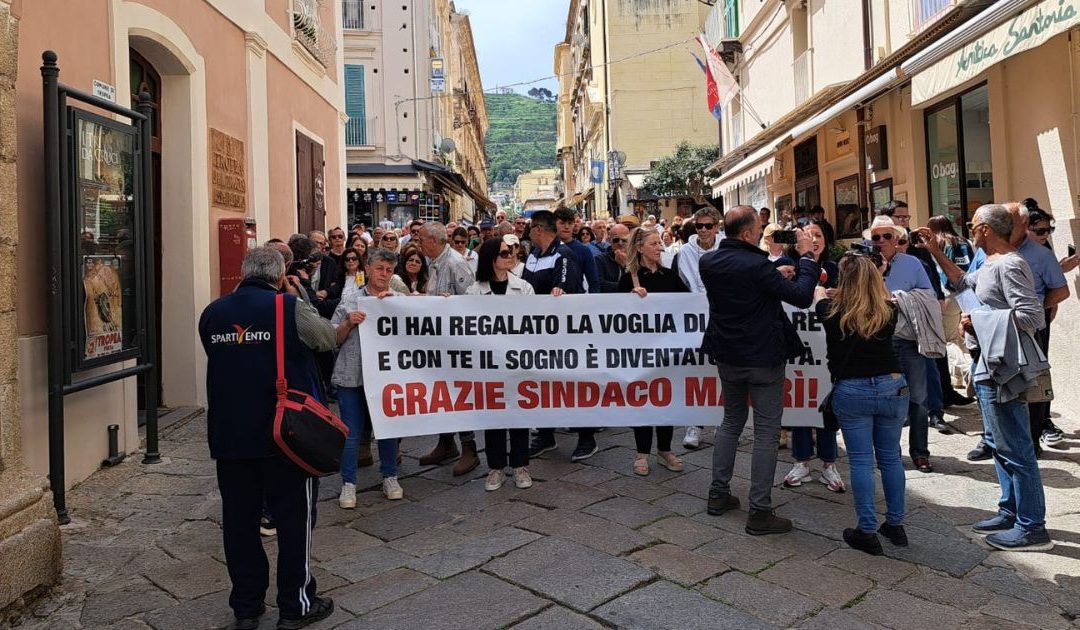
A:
279,341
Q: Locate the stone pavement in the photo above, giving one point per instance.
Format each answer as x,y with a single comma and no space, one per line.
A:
589,546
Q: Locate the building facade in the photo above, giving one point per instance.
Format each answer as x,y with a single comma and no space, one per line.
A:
416,112
539,186
629,93
944,104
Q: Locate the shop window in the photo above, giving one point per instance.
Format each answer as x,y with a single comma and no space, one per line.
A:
958,156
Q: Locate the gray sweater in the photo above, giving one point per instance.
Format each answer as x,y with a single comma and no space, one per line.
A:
1007,283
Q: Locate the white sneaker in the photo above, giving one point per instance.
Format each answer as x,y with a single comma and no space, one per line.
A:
347,500
522,478
693,437
799,473
830,477
494,480
391,489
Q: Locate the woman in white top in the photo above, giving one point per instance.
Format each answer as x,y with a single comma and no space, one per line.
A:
354,273
459,241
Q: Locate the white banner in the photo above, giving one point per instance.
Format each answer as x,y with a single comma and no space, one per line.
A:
437,365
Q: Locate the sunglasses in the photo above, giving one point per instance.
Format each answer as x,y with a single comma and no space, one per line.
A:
1043,231
352,259
704,226
902,241
506,253
616,240
457,242
338,237
877,237
389,238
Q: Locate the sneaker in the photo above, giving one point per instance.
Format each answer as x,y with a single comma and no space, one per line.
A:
495,480
721,503
347,499
798,473
391,489
762,522
693,438
895,534
522,478
996,523
980,452
831,477
867,543
1052,434
1017,539
584,450
267,527
938,424
249,623
541,445
321,608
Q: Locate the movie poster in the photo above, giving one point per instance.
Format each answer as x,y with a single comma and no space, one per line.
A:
103,309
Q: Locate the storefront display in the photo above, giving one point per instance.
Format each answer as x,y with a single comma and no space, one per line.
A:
958,156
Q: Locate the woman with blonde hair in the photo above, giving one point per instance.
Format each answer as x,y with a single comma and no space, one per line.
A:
869,396
644,275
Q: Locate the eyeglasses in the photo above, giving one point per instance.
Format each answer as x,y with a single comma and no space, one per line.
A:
506,253
338,237
971,225
877,237
704,226
902,241
389,238
615,240
901,217
352,259
1043,231
457,242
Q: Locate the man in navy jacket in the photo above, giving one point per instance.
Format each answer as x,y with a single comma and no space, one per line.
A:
238,333
746,337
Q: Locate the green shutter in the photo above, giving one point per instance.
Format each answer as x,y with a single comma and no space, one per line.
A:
356,130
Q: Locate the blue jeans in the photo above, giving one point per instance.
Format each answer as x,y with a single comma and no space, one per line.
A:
355,414
935,396
871,413
803,441
1008,434
913,365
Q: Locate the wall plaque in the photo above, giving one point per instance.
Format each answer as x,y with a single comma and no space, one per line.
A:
228,181
877,149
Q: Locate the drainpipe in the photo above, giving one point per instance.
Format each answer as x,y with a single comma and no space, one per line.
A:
860,113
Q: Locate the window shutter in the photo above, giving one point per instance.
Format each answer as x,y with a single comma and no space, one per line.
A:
355,107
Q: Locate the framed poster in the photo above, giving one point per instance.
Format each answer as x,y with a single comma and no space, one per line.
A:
880,193
104,272
849,219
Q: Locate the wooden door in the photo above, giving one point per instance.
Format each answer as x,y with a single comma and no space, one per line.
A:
310,185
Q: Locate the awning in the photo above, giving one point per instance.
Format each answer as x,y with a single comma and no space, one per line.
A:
580,198
865,94
416,182
637,181
757,164
994,35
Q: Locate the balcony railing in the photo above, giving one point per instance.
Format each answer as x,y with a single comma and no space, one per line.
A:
925,12
309,32
356,132
352,15
801,66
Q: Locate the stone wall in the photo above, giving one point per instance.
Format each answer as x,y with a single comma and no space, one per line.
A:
29,537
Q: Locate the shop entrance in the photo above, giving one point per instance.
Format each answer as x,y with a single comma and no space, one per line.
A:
959,166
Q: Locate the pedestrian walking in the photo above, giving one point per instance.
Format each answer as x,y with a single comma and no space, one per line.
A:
239,335
869,396
747,338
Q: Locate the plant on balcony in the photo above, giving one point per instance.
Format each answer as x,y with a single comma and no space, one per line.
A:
682,174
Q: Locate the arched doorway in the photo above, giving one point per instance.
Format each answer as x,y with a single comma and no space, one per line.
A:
144,77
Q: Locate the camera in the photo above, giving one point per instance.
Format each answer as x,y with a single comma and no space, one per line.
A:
915,238
785,237
873,252
306,264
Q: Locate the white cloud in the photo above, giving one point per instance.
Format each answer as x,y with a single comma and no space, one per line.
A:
515,39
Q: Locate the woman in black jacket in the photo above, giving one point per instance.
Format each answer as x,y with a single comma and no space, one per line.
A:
644,275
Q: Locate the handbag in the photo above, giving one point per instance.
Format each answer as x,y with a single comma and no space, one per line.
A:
828,416
1042,391
305,431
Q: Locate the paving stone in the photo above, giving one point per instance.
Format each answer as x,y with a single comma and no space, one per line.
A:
761,599
400,521
980,621
589,530
95,563
635,488
546,469
801,545
959,499
589,476
1010,583
329,543
1019,611
558,618
169,485
464,602
192,578
473,553
696,483
201,537
427,542
129,598
470,498
953,555
627,511
682,504
572,574
445,474
893,609
829,586
208,611
374,592
882,570
682,531
560,494
942,589
817,516
657,605
361,565
677,564
836,619
492,518
742,552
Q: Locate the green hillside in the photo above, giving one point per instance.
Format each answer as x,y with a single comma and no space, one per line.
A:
521,137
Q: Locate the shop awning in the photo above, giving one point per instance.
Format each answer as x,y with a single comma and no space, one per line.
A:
757,164
864,94
637,181
969,30
416,182
580,198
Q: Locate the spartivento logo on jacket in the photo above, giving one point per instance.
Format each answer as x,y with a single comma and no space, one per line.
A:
242,336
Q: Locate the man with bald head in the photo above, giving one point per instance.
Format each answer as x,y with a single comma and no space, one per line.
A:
746,338
611,264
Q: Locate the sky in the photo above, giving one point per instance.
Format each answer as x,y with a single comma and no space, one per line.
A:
515,39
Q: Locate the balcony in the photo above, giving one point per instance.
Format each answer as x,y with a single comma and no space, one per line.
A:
352,15
926,12
356,132
803,84
309,33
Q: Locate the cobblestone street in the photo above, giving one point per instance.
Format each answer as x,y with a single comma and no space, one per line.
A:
589,546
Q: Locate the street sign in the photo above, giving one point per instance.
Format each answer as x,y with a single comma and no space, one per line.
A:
104,90
438,86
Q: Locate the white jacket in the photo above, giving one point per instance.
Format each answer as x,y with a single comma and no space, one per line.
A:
689,257
515,286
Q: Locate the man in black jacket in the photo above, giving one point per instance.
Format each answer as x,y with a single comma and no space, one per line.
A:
746,337
611,264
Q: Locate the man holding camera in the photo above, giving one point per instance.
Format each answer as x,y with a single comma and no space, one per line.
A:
746,336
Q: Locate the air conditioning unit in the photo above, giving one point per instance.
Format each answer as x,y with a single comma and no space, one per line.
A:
730,50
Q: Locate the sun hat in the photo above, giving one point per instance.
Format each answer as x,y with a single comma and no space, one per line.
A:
884,223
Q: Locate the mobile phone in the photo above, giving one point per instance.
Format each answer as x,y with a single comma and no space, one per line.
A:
784,237
915,238
1072,249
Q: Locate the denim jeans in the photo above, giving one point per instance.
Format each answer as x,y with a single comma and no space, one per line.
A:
741,385
871,414
354,413
935,395
1009,436
803,440
913,365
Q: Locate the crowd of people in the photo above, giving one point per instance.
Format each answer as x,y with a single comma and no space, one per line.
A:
910,315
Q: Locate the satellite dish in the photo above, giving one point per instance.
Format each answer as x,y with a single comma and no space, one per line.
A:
447,145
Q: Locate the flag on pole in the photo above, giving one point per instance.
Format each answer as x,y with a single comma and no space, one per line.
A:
721,84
